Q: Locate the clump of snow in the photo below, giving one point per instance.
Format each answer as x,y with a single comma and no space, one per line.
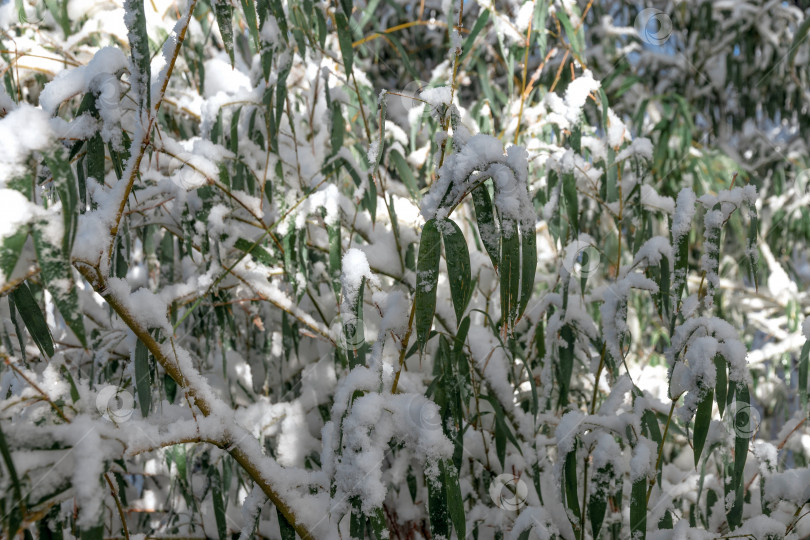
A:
436,96
108,60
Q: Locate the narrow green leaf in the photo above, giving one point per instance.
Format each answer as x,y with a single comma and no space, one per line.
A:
479,25
566,364
33,318
510,273
570,483
487,228
357,521
378,525
597,502
455,504
427,278
139,47
219,505
224,12
143,382
345,41
437,507
458,265
257,252
638,509
703,418
528,267
249,10
569,186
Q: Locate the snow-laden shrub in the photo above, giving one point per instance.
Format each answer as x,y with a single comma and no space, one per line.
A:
404,270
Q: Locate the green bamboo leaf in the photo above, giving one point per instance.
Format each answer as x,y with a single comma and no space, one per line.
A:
249,9
139,48
458,265
357,521
569,185
219,505
258,253
345,41
405,173
510,273
378,525
12,311
528,267
479,25
338,128
566,364
744,427
224,12
455,504
570,483
703,418
58,279
427,278
33,318
437,506
143,382
597,502
638,509
487,228
576,37
10,249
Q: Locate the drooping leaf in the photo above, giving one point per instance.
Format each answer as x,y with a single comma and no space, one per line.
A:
487,228
458,265
345,41
219,504
143,382
32,317
427,278
528,267
510,273
703,419
638,509
224,12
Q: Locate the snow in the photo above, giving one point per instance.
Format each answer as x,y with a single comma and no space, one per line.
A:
437,96
106,61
